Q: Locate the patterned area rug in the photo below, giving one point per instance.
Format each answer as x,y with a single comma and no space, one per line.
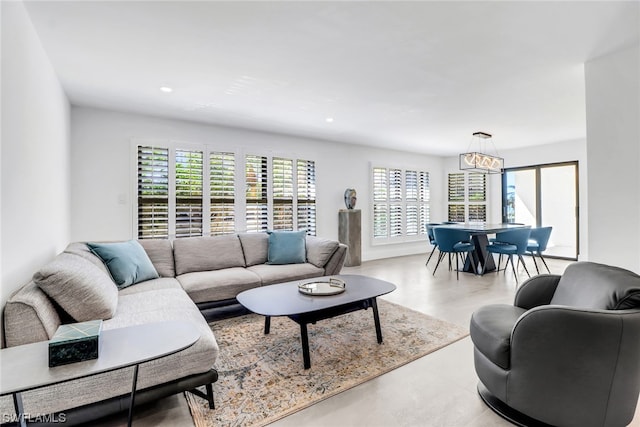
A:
262,378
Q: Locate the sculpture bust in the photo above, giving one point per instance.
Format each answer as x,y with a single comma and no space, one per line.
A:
350,198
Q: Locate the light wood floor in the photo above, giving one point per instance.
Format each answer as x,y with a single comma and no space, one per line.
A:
436,390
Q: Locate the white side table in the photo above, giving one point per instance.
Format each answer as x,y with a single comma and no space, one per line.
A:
26,367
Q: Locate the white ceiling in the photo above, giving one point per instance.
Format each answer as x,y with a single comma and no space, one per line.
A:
417,76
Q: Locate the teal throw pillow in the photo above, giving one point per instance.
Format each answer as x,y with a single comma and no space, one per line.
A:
287,247
127,262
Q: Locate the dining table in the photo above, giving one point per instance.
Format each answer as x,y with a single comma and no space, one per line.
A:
481,258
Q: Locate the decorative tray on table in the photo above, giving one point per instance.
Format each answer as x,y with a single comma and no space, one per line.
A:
332,286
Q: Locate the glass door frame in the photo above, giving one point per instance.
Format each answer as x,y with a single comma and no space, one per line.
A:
538,168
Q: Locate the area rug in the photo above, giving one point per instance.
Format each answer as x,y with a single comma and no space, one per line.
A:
262,378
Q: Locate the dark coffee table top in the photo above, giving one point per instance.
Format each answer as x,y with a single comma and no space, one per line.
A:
284,299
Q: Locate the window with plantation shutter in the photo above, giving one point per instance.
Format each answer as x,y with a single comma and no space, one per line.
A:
188,172
380,203
395,208
456,187
400,203
424,199
477,187
477,212
456,212
153,192
186,190
306,195
417,202
282,177
257,215
222,169
468,191
477,197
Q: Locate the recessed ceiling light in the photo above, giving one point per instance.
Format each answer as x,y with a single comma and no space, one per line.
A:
166,89
329,120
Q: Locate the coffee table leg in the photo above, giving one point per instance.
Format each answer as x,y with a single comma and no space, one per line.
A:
133,395
17,403
305,345
376,319
267,324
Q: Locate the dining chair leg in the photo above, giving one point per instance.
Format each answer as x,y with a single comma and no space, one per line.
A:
440,256
534,262
520,259
544,262
515,273
457,268
500,262
430,255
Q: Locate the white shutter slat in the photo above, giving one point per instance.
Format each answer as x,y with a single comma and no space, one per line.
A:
153,192
456,187
306,190
222,192
189,175
256,194
477,187
282,178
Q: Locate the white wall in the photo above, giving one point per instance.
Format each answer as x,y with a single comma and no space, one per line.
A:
564,151
35,154
613,150
102,173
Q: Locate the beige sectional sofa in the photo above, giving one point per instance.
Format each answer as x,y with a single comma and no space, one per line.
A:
195,275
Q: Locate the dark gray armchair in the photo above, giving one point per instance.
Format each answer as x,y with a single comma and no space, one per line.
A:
567,352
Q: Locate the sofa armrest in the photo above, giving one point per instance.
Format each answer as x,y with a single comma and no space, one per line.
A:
29,316
536,291
335,263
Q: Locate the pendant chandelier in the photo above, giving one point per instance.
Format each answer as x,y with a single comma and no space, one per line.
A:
480,161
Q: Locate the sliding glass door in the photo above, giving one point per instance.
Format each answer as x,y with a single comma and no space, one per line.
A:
545,195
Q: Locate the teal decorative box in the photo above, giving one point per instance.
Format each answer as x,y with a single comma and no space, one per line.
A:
75,342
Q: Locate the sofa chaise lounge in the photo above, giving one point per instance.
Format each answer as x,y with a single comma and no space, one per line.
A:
193,274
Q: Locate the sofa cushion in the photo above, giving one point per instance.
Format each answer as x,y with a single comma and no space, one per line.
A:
255,247
320,250
490,330
160,253
79,287
287,247
127,262
218,285
597,286
207,253
151,286
270,274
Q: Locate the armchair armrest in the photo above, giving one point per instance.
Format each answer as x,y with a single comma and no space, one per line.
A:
536,291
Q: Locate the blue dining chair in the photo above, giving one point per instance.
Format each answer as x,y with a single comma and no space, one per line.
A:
512,242
453,241
538,241
432,239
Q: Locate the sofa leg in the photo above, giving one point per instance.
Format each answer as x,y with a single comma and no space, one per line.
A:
209,388
208,396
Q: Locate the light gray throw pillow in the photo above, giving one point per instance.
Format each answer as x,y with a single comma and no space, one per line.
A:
81,288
